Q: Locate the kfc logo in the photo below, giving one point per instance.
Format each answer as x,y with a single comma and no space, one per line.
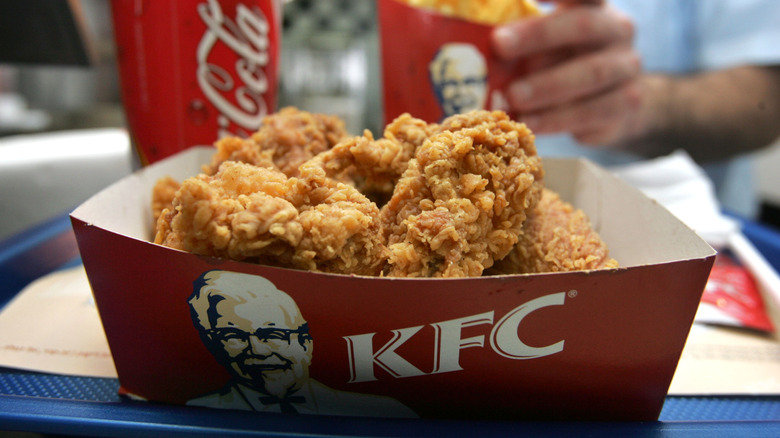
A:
259,334
449,342
458,73
247,36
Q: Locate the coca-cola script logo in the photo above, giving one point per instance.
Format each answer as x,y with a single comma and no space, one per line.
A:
246,36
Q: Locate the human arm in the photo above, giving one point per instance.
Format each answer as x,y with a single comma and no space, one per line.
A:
712,115
585,78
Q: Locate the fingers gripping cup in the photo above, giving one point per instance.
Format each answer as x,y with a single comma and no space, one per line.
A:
193,71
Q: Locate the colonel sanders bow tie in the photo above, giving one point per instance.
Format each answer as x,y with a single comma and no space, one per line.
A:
285,404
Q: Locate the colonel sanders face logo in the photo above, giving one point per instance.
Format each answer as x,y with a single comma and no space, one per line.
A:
458,73
254,330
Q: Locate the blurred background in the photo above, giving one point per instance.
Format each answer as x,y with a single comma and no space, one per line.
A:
329,60
58,73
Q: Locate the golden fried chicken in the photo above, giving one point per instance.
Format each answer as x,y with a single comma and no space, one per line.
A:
256,214
162,195
462,200
375,165
466,197
284,141
556,237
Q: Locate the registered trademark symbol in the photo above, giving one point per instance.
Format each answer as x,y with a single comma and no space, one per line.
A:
572,293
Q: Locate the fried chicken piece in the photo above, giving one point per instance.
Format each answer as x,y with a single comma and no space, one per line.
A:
556,237
374,166
259,215
408,132
162,195
284,141
462,201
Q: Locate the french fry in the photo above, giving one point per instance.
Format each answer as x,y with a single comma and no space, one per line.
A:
490,12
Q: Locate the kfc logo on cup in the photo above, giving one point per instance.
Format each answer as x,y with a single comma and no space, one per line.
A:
459,78
450,71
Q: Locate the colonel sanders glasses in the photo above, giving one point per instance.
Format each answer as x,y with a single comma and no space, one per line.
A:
236,338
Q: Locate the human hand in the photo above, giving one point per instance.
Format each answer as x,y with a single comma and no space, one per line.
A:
583,74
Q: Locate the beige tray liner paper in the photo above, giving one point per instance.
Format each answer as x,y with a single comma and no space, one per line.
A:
53,326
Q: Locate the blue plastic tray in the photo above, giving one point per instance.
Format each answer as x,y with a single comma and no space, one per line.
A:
82,406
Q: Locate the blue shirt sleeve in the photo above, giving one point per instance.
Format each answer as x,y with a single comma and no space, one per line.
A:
680,36
736,32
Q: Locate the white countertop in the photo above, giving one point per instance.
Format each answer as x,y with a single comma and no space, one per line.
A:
42,175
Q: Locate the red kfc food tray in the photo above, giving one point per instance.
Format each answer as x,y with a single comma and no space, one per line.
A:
585,345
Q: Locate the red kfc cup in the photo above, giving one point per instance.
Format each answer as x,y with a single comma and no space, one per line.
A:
436,65
193,71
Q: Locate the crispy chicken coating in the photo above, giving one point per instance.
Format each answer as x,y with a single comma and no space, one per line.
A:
462,200
285,140
162,195
556,238
259,215
375,165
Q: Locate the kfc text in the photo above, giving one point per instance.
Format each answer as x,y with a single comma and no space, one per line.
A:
449,341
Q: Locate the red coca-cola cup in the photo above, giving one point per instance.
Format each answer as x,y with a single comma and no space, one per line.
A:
193,71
